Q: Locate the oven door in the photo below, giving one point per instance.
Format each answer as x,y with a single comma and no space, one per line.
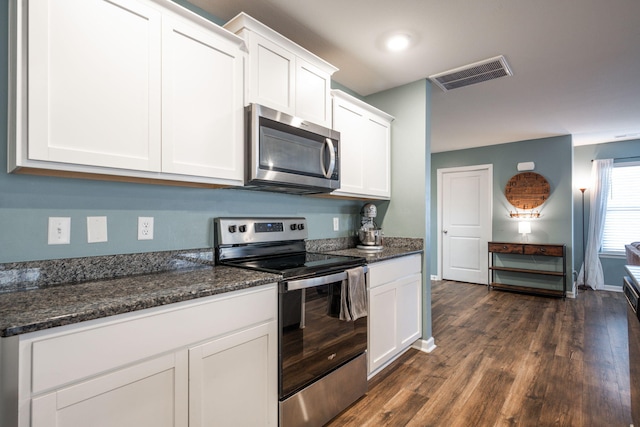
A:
313,339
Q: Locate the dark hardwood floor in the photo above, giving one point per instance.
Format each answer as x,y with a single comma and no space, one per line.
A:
506,359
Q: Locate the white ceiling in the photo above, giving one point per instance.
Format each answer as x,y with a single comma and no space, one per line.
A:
576,63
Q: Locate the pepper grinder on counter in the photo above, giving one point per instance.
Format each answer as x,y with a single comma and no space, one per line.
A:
370,235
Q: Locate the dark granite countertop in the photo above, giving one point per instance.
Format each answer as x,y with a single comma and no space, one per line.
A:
44,294
383,255
38,309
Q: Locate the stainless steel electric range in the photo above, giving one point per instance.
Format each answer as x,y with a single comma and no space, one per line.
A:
322,359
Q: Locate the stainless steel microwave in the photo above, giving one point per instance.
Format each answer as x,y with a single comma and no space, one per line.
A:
287,154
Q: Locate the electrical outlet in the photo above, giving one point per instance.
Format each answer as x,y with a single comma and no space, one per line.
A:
59,231
96,229
336,224
145,228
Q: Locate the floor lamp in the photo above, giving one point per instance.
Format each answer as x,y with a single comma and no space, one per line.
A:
584,286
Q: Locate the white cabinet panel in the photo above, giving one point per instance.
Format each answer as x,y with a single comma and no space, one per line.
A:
210,357
142,89
395,308
271,73
409,303
282,75
383,343
365,148
347,120
202,110
234,379
94,83
115,399
313,86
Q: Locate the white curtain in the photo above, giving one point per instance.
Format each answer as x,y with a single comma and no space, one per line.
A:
598,197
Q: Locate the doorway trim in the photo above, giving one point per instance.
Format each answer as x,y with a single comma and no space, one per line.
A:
440,173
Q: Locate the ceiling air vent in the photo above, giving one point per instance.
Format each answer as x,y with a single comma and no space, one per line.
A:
477,72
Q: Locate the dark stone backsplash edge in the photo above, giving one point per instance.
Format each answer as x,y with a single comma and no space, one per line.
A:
22,276
340,243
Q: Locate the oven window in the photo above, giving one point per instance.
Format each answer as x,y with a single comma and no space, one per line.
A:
314,341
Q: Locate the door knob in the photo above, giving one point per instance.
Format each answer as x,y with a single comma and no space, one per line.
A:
445,231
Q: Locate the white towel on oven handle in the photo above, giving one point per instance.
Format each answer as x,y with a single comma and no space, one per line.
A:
353,298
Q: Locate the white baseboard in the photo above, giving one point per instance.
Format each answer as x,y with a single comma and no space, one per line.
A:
426,346
435,277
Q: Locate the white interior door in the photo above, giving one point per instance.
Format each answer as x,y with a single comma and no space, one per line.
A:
465,222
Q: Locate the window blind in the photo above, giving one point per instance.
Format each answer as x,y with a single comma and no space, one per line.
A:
622,223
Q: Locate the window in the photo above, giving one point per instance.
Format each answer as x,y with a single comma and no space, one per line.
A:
622,223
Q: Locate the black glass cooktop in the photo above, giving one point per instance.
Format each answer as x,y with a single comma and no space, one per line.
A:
300,264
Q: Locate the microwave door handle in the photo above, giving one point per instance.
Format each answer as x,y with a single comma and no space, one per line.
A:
332,158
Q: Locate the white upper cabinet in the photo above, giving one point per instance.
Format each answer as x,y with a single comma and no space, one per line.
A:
282,75
365,148
94,83
202,110
137,88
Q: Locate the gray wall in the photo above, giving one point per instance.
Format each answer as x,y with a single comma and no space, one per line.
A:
407,214
623,151
553,158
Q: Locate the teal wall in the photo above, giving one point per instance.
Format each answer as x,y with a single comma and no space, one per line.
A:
553,158
183,216
623,151
407,213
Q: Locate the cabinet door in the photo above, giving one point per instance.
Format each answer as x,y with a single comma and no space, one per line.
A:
94,83
377,135
349,121
272,75
365,148
383,342
153,394
313,102
202,111
233,380
409,310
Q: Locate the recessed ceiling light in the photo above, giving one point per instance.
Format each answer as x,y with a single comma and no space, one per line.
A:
398,42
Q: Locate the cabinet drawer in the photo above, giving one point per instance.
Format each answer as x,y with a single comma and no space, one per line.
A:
505,248
543,250
393,269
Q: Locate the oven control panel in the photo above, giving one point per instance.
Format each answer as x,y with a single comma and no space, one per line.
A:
233,231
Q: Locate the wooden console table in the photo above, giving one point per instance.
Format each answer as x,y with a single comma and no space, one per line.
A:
546,250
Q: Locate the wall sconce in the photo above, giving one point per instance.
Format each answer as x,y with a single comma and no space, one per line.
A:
524,228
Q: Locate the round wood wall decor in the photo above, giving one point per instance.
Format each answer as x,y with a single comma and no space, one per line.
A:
527,190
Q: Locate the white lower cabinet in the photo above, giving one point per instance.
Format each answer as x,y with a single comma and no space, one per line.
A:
210,361
395,308
230,380
148,394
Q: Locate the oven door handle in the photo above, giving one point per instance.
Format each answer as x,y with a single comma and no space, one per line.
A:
311,282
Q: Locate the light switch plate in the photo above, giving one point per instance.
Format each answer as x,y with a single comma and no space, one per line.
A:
96,229
59,232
